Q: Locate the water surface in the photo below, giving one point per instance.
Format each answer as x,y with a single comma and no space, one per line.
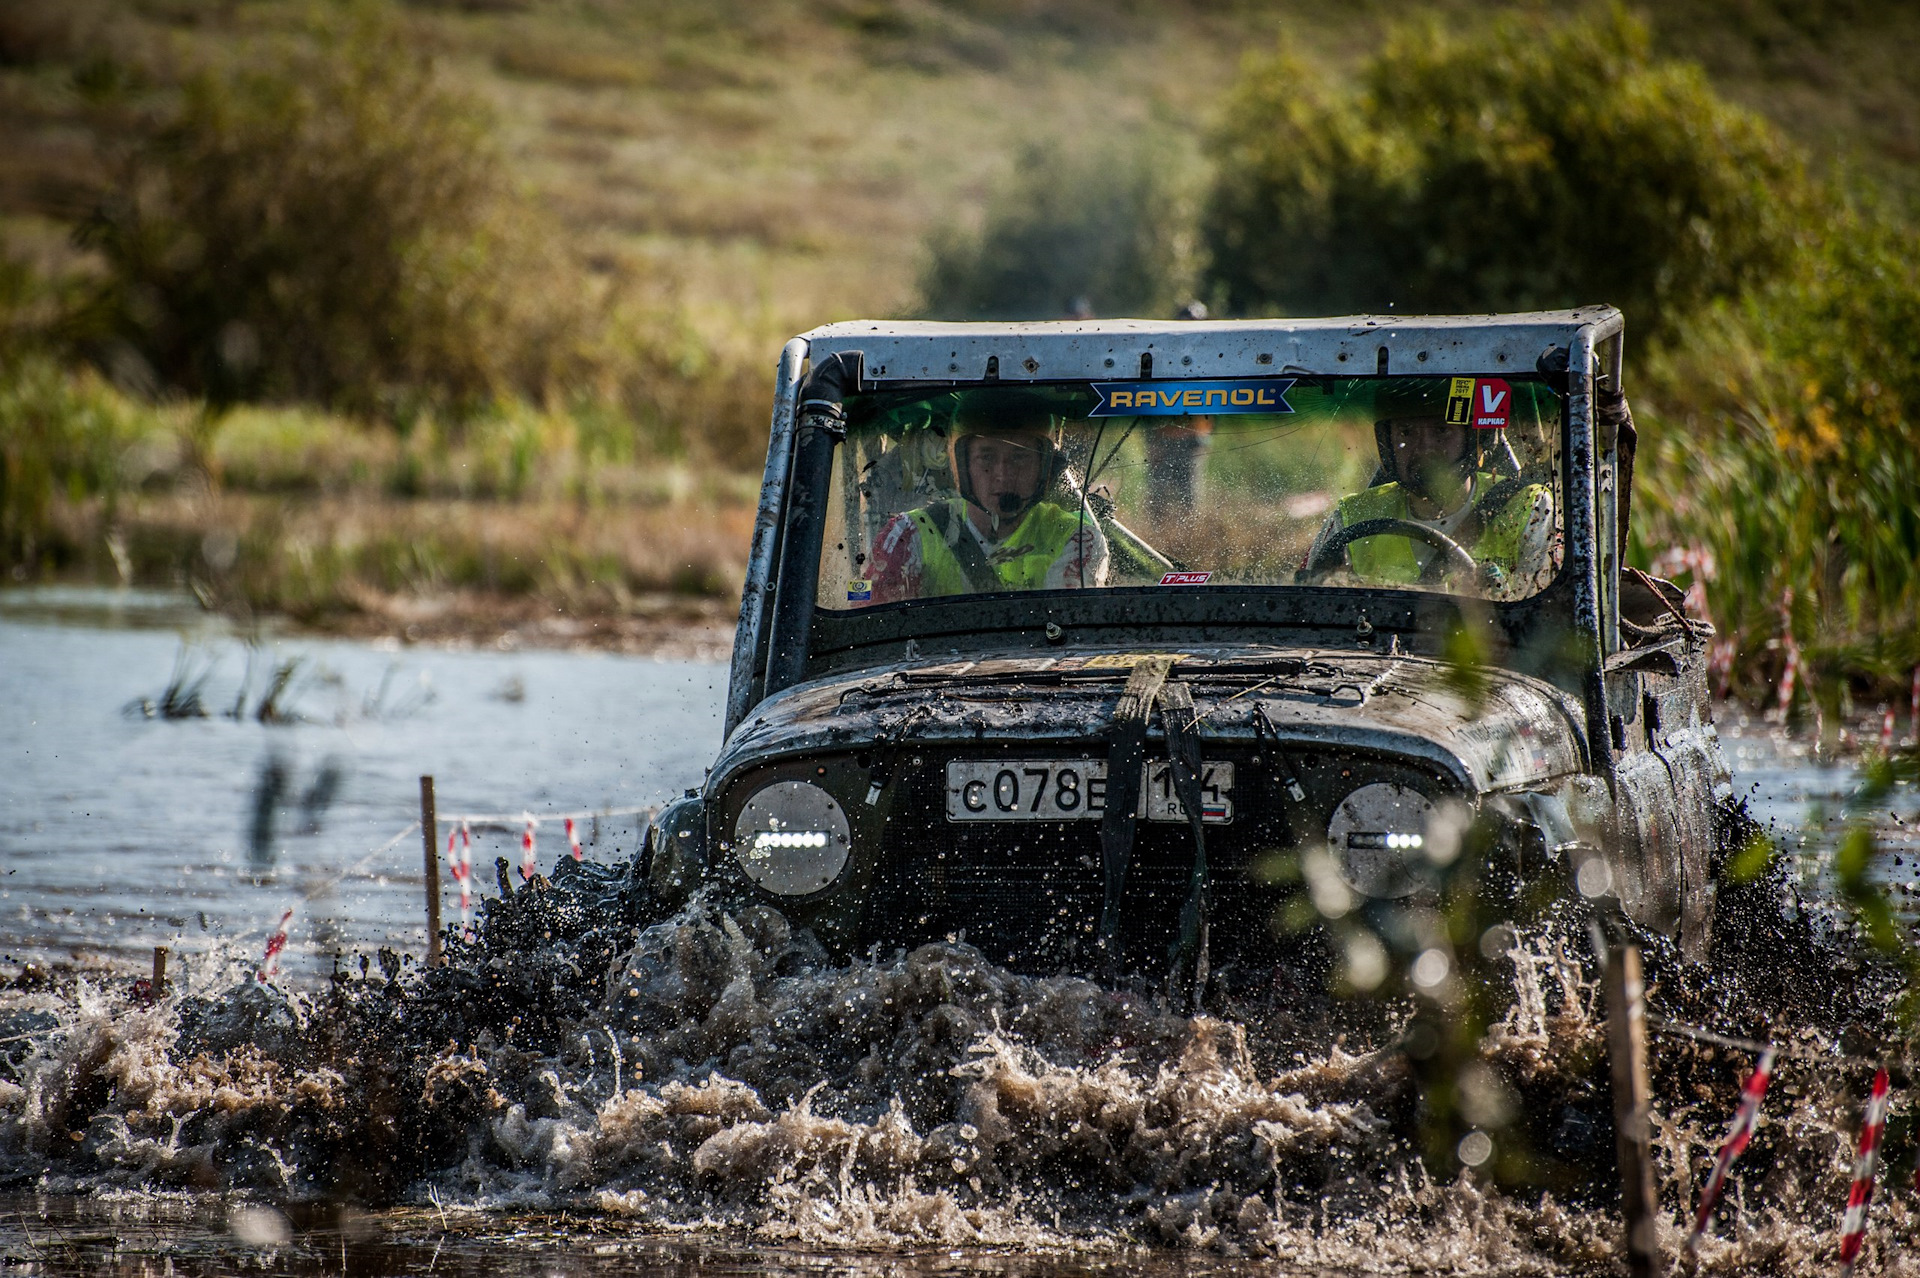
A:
120,831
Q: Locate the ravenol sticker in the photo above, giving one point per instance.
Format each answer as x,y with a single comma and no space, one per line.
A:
1186,578
859,591
1187,399
1484,402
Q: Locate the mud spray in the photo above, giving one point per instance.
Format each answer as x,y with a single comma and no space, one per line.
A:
718,1072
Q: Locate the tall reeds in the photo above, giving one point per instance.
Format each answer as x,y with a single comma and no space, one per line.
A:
1784,438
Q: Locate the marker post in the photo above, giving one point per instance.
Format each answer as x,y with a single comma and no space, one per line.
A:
1633,1135
428,828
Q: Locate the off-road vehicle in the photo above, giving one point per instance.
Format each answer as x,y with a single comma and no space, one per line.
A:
1107,644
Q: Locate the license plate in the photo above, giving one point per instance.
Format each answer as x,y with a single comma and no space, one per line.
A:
1074,790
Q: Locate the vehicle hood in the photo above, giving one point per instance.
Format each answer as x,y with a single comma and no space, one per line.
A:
1516,733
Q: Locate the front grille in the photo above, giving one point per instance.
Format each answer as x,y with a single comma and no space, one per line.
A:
1030,893
1038,894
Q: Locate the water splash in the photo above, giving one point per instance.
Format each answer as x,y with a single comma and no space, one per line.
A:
719,1072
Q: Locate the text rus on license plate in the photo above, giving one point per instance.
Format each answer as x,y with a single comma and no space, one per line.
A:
1072,789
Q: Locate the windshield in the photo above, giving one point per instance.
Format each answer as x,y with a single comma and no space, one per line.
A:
1447,484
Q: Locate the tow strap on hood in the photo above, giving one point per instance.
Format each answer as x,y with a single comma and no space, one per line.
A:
1187,977
1147,686
1126,757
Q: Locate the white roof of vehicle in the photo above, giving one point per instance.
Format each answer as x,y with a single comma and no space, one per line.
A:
1070,350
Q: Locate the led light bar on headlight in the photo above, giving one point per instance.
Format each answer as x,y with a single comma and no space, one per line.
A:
1379,838
792,838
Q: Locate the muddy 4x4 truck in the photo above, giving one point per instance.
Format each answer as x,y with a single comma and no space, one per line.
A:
1102,644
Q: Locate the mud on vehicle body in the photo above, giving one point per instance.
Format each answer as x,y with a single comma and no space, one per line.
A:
1024,598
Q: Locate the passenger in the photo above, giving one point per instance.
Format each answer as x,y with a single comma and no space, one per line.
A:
1431,473
1001,533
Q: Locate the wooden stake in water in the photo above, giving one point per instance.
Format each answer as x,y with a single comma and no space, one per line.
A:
159,970
428,827
1633,1134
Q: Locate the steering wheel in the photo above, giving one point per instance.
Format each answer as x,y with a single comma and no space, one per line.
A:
1452,558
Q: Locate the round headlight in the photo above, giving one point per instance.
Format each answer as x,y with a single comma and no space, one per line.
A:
792,838
1378,837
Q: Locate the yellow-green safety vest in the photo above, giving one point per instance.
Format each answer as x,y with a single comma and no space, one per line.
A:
1390,557
1019,562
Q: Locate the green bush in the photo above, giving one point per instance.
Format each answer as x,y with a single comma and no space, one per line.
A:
1785,440
322,222
64,441
19,329
1522,165
1109,225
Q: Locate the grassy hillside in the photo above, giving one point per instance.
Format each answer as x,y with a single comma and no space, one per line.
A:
771,165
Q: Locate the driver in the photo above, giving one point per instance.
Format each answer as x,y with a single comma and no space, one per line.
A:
1000,533
1430,474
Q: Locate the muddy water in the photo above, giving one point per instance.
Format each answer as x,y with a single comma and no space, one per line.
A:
568,1097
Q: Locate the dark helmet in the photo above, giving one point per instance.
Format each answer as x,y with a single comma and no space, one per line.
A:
1010,415
1402,398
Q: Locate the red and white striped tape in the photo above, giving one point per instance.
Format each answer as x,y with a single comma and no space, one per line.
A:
1886,731
573,841
1789,675
466,879
276,946
529,859
1697,560
460,866
1853,1227
1720,664
1739,1132
1787,678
